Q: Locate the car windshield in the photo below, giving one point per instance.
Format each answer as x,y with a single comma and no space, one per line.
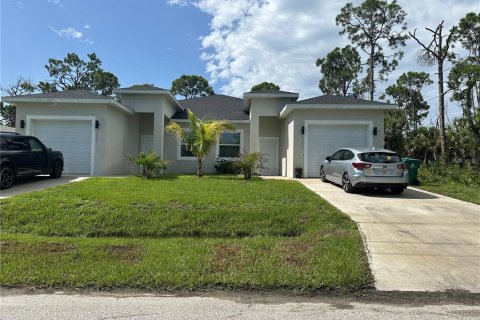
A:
379,157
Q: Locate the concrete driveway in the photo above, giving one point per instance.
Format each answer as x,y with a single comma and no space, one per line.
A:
29,184
416,241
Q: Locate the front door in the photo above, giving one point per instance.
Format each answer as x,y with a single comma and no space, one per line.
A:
269,151
146,143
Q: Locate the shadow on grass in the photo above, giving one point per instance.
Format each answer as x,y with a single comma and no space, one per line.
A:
174,176
168,176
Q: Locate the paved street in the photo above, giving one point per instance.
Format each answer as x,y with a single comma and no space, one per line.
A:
416,241
146,307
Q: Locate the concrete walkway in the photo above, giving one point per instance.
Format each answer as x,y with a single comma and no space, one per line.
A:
416,241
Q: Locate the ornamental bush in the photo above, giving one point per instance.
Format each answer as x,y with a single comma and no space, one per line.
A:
151,164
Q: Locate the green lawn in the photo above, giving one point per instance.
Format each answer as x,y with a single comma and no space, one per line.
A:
462,183
453,190
179,232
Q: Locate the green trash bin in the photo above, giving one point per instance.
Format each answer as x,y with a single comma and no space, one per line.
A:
413,166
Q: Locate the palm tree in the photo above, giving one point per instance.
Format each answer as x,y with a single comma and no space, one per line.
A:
201,136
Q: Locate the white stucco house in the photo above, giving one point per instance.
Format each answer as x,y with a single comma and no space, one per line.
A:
96,133
6,129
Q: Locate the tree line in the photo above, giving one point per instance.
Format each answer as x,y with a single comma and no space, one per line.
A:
378,32
73,73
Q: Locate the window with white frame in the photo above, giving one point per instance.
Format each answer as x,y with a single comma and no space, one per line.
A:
229,145
183,152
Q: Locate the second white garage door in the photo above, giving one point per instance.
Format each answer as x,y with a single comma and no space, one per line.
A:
72,137
324,139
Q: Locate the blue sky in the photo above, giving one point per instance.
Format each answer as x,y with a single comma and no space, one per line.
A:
139,41
233,43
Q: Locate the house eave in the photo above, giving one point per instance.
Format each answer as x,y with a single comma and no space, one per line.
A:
247,97
232,121
289,108
167,93
142,91
111,102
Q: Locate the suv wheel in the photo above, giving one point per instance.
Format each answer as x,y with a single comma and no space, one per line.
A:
7,177
346,184
57,170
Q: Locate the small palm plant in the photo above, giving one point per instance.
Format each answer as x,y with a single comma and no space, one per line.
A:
200,137
150,163
249,163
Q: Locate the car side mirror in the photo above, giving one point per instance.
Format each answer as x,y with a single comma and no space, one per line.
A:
328,158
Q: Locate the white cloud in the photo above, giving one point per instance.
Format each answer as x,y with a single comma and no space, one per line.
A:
182,3
252,41
55,2
68,33
87,26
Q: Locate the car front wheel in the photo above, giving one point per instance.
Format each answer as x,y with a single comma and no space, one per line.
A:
7,177
57,170
346,184
323,178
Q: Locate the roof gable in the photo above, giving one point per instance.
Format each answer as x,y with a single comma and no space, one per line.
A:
214,107
334,103
271,92
69,94
143,87
341,100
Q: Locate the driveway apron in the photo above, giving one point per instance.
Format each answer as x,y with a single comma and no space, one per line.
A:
36,183
416,241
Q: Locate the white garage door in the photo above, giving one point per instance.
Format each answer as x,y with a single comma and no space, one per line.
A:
72,137
323,140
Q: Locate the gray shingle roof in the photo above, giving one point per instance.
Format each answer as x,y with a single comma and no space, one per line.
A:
69,94
215,107
329,99
142,87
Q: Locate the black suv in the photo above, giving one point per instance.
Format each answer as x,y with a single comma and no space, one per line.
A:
22,155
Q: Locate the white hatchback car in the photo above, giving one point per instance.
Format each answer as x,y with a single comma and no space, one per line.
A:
365,168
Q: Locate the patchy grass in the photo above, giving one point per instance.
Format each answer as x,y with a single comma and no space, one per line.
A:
454,181
179,232
175,207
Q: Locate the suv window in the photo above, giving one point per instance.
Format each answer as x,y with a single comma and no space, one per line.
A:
3,143
35,145
15,144
379,157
